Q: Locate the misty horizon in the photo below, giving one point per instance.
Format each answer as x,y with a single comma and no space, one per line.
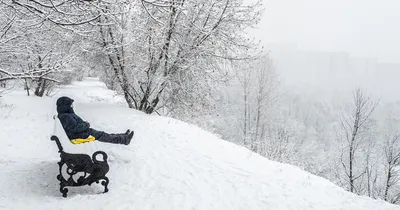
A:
365,29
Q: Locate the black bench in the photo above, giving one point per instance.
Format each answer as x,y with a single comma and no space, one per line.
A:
88,169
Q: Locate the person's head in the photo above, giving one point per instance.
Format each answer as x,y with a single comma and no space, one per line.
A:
65,105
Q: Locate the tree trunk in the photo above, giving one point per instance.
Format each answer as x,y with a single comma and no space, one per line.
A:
2,84
260,98
351,178
41,87
389,176
352,144
245,114
27,87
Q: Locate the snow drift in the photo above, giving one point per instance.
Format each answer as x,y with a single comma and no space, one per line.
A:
169,164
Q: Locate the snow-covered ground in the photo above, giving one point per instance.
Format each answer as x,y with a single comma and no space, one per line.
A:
169,164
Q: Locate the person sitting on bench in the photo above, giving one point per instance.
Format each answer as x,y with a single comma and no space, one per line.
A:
79,131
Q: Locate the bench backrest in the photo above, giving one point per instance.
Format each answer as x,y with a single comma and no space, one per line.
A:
57,140
64,144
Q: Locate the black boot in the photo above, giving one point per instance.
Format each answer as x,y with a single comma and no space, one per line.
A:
128,138
127,132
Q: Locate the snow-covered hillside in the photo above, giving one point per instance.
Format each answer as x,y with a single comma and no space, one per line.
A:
169,164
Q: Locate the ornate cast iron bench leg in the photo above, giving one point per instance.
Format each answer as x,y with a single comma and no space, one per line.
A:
63,190
93,170
105,184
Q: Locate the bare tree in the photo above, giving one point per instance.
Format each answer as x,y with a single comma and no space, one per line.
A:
373,172
392,161
245,77
354,125
267,83
259,84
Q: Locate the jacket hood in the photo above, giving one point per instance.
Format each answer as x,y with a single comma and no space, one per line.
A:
64,105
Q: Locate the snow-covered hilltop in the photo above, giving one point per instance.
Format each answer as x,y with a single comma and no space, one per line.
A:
169,164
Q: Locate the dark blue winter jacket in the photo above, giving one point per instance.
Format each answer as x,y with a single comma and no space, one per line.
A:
73,125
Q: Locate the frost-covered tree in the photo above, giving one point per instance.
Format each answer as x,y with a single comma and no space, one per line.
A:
169,54
259,82
392,174
32,50
355,131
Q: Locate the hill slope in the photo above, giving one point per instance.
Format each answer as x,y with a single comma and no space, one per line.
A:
169,164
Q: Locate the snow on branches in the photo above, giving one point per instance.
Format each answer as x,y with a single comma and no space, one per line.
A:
34,74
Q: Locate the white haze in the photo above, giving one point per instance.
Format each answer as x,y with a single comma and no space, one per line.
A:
333,46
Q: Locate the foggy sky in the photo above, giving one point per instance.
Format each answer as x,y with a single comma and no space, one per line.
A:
368,28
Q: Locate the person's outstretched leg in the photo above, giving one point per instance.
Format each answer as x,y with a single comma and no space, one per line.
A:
111,138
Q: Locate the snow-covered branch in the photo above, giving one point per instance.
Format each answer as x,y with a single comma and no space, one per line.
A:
38,74
158,3
74,23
